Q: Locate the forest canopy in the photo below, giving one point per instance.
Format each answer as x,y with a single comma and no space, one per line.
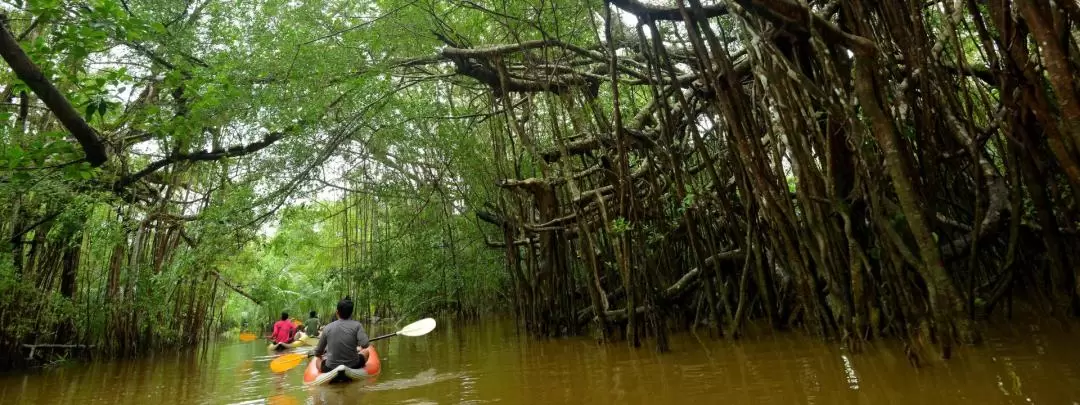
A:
170,169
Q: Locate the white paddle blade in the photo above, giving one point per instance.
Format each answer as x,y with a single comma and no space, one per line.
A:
418,328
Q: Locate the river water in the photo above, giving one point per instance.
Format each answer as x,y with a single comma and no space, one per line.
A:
490,362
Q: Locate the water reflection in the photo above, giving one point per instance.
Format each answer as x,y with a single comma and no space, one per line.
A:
852,377
492,363
425,377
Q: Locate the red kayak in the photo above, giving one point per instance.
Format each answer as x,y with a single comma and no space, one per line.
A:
312,376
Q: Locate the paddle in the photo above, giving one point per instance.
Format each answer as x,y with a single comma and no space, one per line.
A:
288,361
247,337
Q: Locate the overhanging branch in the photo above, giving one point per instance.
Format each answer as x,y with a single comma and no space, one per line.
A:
658,13
234,287
216,154
29,73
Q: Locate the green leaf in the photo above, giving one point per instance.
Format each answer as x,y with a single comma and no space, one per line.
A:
90,108
14,152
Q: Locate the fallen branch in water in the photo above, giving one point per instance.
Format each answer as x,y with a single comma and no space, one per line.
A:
34,348
674,291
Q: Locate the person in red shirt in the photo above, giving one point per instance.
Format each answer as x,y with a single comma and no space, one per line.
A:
283,330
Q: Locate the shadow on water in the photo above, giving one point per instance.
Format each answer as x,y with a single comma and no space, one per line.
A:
489,362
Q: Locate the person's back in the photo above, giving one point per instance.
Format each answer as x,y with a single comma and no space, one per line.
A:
339,340
311,326
283,330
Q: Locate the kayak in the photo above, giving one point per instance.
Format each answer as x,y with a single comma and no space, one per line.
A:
285,346
312,376
308,341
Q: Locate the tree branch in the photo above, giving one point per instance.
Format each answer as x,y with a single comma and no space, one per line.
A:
791,15
658,13
234,287
216,154
675,290
490,217
30,74
47,218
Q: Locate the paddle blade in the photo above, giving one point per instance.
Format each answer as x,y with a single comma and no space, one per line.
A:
286,362
247,337
418,328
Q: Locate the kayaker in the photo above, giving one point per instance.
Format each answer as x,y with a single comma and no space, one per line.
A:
342,341
283,330
311,325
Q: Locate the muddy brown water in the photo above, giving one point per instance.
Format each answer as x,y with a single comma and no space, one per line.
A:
490,362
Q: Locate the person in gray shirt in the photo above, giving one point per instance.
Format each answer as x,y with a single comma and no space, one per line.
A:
342,341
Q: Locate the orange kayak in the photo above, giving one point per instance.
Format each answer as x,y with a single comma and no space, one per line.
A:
312,376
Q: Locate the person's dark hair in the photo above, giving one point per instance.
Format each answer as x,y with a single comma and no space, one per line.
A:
313,315
345,308
284,316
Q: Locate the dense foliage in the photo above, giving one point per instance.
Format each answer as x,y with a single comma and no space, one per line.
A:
856,168
179,168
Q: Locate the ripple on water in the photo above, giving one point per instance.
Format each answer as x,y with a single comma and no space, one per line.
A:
425,377
419,401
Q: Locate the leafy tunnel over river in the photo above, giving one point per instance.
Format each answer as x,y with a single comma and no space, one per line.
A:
903,172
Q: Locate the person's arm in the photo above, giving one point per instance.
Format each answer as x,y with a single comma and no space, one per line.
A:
362,338
320,349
